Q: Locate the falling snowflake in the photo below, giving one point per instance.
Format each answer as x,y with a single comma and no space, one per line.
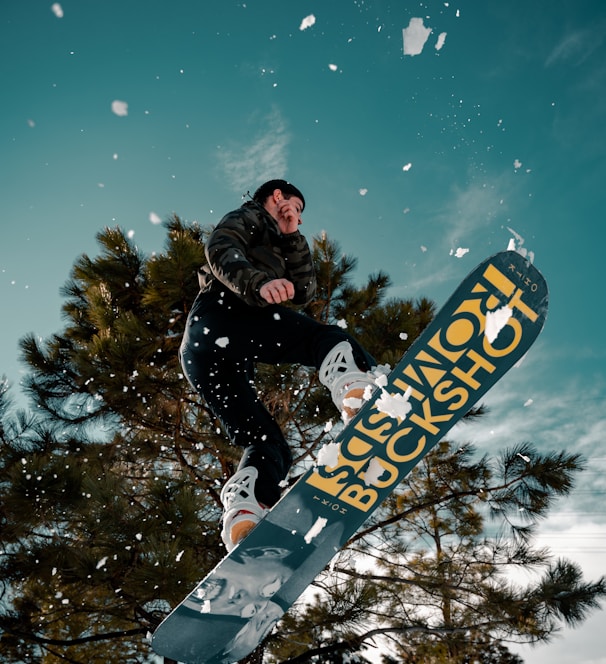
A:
120,108
307,22
102,562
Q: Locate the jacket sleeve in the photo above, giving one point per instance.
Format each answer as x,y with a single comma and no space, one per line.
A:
299,266
227,251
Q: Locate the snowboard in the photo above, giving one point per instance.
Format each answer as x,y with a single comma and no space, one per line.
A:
483,330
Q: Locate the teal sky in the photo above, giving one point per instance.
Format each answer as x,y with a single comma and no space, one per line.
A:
493,131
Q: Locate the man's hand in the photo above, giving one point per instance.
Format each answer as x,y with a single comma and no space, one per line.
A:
289,214
277,291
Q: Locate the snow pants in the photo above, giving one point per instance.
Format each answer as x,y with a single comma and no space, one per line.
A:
223,339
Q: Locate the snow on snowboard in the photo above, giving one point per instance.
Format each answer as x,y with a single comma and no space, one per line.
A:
486,326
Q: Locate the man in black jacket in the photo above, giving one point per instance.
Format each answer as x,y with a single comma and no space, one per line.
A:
257,260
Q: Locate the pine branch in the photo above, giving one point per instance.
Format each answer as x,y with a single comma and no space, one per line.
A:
354,644
108,636
407,513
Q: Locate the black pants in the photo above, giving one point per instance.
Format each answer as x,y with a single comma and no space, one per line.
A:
223,340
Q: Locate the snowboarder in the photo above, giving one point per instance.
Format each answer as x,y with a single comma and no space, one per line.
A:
256,261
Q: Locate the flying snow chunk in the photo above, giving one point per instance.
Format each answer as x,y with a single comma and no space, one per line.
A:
394,405
517,164
154,218
119,107
415,36
329,455
407,167
374,472
380,373
528,402
316,529
517,238
363,191
222,342
496,321
352,403
459,252
332,67
57,10
307,22
441,40
380,381
516,244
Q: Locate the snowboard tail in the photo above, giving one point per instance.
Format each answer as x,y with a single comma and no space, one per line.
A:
484,329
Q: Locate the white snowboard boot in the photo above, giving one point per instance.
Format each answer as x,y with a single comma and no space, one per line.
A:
347,384
241,510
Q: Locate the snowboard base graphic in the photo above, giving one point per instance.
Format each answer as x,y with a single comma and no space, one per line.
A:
485,327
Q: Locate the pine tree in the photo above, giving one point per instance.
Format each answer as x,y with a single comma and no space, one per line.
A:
110,508
440,588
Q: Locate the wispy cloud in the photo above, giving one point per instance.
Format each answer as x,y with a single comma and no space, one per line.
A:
263,158
473,217
472,209
575,47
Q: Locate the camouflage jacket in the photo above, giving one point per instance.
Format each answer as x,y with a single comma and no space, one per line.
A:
246,250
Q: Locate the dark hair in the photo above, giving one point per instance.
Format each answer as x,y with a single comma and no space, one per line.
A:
268,188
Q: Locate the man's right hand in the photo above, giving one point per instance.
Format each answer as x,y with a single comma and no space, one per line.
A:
277,291
289,214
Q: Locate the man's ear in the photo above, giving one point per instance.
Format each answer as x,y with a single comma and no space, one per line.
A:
277,195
